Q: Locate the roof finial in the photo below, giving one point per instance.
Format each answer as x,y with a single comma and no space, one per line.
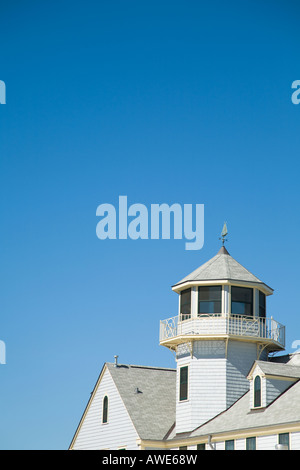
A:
224,233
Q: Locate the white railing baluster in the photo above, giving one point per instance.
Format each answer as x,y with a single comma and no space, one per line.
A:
210,324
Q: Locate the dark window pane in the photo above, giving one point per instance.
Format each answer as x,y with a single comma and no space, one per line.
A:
241,301
262,304
105,410
185,302
240,308
209,299
183,392
200,446
257,391
209,307
284,439
229,445
251,443
210,293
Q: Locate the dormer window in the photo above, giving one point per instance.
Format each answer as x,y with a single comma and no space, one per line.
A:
257,391
242,301
185,304
209,299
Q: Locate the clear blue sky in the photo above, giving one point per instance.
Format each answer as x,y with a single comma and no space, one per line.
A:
162,101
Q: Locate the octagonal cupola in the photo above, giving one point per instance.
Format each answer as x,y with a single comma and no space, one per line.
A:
221,328
222,286
228,294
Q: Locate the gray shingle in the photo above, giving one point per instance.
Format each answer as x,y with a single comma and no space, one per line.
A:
285,409
148,394
278,369
221,267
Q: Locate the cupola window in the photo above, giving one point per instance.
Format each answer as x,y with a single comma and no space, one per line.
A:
257,391
185,304
242,301
262,304
209,299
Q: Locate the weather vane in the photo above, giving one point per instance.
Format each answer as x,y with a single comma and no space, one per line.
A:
224,233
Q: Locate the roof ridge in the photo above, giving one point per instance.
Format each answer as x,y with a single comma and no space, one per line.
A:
136,366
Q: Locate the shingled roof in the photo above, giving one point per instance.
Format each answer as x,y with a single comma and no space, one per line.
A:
285,409
148,394
222,267
239,417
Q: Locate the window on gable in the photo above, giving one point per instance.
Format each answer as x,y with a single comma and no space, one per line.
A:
183,386
257,391
105,410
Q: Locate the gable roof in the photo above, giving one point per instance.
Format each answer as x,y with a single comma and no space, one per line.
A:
222,267
238,418
284,409
276,369
148,394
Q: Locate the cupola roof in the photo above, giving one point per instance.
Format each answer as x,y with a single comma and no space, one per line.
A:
222,267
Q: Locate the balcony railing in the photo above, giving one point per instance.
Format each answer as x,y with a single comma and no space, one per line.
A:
218,325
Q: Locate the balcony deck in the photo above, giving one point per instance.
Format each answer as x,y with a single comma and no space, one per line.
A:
183,328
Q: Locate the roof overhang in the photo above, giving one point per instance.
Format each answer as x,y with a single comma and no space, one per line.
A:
232,282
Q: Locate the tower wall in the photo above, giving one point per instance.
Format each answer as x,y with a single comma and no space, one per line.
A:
217,377
240,358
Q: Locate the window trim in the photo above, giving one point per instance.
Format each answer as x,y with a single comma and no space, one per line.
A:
257,392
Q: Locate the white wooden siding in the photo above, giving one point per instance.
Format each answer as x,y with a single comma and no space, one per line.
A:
119,430
274,388
295,441
206,385
214,382
266,442
240,358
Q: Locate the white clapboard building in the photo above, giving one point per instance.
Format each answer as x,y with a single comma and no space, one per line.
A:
232,387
